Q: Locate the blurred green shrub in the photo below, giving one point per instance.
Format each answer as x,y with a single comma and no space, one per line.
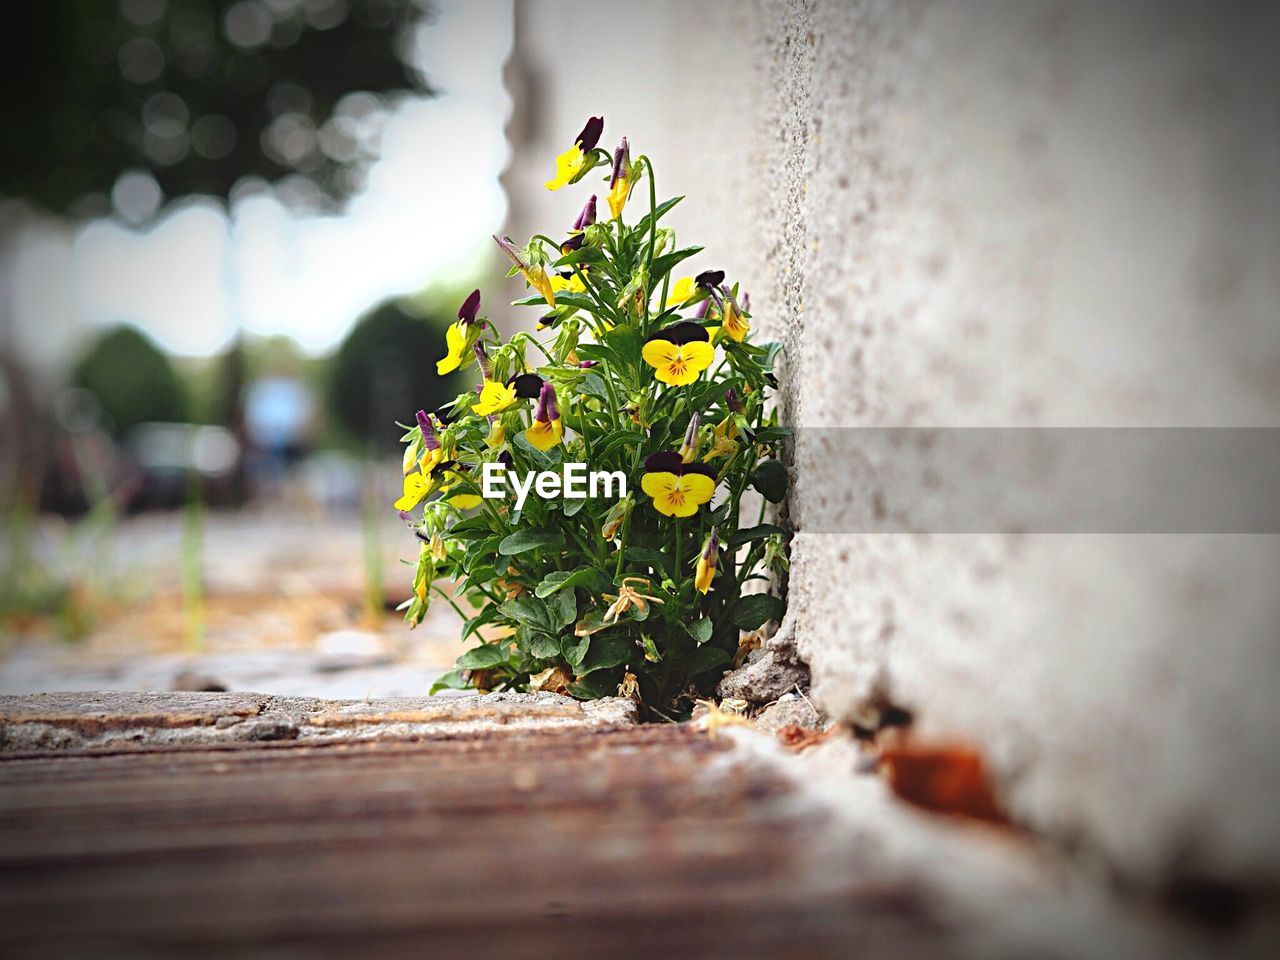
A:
386,365
132,379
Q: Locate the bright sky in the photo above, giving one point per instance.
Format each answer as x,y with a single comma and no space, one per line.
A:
196,276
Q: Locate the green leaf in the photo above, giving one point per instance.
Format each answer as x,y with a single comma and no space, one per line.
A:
483,657
572,507
652,558
662,265
642,227
699,629
553,581
562,608
574,649
592,578
705,658
770,478
760,532
593,386
607,650
543,646
583,255
771,434
595,686
523,541
540,458
529,612
453,680
755,610
625,341
479,620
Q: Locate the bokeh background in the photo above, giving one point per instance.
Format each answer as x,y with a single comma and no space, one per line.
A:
231,235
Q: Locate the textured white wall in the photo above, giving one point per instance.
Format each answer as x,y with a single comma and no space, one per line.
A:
1041,214
991,214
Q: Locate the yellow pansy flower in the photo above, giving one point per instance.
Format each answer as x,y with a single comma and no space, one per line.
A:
678,489
572,164
573,283
683,291
679,353
460,336
494,398
416,486
678,495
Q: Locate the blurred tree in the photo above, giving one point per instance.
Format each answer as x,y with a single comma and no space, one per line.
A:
384,371
109,101
132,379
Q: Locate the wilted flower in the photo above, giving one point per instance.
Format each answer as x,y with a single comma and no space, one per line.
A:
572,164
533,274
616,516
628,597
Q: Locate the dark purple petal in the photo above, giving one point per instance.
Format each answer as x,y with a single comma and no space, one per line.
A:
546,410
508,246
590,134
587,364
528,385
664,461
712,547
429,440
686,331
445,414
703,468
573,243
731,400
549,320
588,215
691,431
506,459
467,312
621,162
709,278
483,357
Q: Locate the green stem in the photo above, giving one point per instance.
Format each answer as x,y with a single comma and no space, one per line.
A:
436,587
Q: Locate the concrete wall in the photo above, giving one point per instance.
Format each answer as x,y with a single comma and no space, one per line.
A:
991,214
1040,214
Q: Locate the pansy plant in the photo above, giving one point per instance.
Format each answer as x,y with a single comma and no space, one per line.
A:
632,370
